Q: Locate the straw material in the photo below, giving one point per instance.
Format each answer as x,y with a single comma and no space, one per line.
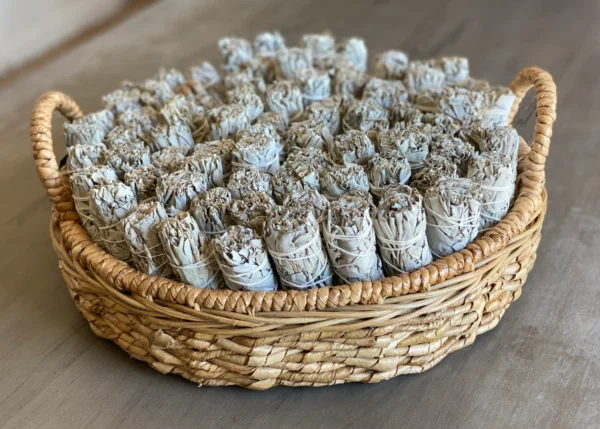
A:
362,332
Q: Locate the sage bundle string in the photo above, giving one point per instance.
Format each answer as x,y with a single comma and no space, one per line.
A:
313,156
498,102
350,241
140,230
349,82
223,148
363,115
176,190
289,61
253,210
236,52
391,65
400,226
189,252
127,156
82,156
169,158
293,176
200,124
210,211
243,182
246,96
355,51
308,134
421,77
293,240
455,150
452,210
311,199
336,180
326,111
226,121
243,260
435,168
208,164
387,169
110,203
409,141
314,84
261,153
500,140
387,93
84,133
286,98
352,147
495,174
142,180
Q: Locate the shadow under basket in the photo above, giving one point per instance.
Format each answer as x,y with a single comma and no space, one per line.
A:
363,332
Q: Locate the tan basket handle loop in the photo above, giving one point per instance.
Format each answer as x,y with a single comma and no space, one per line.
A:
58,190
545,112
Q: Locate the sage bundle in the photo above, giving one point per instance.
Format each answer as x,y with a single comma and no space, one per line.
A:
350,240
82,156
387,93
391,65
294,242
243,182
171,77
110,203
83,133
285,98
260,130
421,77
223,148
122,100
445,123
165,136
156,93
243,260
455,69
144,120
142,180
452,210
267,44
498,102
363,115
311,199
236,52
104,118
261,153
308,134
349,82
120,135
500,140
210,211
226,121
205,75
246,96
289,61
359,194
200,124
276,120
168,158
189,252
314,84
455,150
400,226
460,104
404,112
410,141
435,168
336,181
176,190
353,146
326,111
313,156
293,176
208,164
140,230
319,45
253,210
127,156
495,174
355,51
387,169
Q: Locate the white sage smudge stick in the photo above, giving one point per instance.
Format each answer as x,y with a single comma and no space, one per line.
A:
261,153
172,77
410,141
363,115
168,159
293,176
355,51
326,111
310,198
387,169
495,174
387,93
156,93
350,239
83,133
208,164
82,156
174,130
319,45
349,82
122,134
243,182
261,130
142,180
110,203
144,120
498,102
404,112
243,260
453,211
310,155
391,65
314,84
205,74
246,96
499,140
294,242
448,125
435,168
127,156
140,230
289,61
336,180
455,150
189,252
461,104
177,190
200,124
308,134
455,69
223,148
210,211
122,100
421,77
267,44
104,118
400,226
253,210
277,120
236,52
354,146
286,98
226,121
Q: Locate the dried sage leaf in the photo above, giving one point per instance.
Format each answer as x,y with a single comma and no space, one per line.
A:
236,52
326,111
387,169
336,180
289,61
260,152
142,180
355,51
354,146
226,121
127,156
286,98
435,168
210,210
410,141
176,190
243,182
253,210
387,93
314,84
455,150
391,65
293,176
208,164
82,156
311,199
168,158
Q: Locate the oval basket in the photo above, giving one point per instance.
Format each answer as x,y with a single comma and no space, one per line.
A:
362,332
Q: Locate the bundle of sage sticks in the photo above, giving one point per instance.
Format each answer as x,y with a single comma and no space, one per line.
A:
294,167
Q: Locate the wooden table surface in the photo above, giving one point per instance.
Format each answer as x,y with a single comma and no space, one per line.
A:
539,368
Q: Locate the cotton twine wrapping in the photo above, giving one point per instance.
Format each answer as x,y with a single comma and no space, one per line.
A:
453,210
294,242
84,133
311,199
261,153
354,146
363,115
246,96
391,65
177,190
140,230
455,150
435,168
82,156
500,140
355,51
387,93
336,180
326,111
236,52
350,241
110,203
223,148
168,159
289,61
293,176
313,156
496,175
226,121
400,226
242,182
142,180
252,211
286,98
127,156
387,169
210,210
498,101
308,134
189,252
314,84
243,260
208,164
410,141
421,77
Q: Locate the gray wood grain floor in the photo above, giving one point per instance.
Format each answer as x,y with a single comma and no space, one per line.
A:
539,368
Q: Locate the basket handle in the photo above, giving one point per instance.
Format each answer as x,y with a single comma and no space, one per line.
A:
55,183
545,112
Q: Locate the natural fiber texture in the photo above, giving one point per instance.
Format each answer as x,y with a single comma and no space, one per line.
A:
364,332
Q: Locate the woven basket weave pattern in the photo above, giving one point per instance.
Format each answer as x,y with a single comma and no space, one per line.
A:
363,332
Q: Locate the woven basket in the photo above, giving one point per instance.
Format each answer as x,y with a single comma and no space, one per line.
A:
362,332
